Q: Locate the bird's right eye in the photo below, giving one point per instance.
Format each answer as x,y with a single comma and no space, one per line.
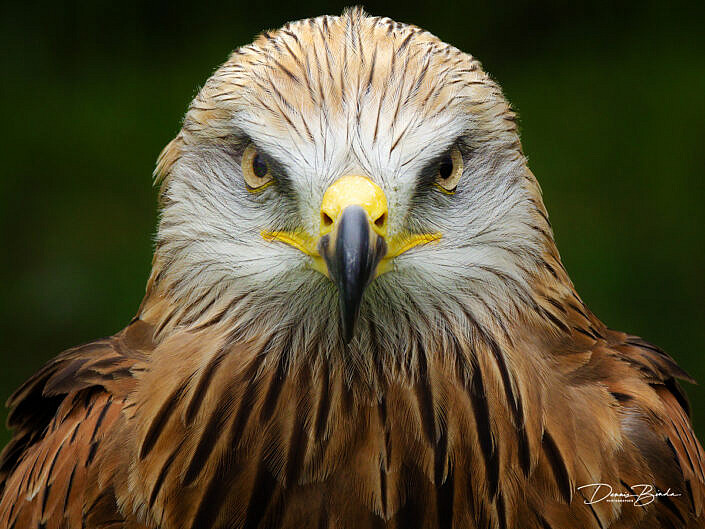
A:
255,169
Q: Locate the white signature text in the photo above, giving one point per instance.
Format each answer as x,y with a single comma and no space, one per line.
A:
640,495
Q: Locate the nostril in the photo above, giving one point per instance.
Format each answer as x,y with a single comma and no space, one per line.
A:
381,220
325,219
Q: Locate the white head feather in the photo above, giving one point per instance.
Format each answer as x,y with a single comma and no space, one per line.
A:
343,95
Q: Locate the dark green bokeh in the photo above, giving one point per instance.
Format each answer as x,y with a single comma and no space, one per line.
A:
612,106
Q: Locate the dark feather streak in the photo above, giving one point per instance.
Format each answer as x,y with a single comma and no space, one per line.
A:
202,386
558,466
263,492
160,420
484,431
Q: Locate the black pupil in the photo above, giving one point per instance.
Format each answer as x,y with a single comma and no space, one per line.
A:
446,168
259,167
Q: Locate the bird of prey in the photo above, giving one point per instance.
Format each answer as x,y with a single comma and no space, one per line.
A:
357,318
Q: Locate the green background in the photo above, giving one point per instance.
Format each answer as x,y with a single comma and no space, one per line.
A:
612,105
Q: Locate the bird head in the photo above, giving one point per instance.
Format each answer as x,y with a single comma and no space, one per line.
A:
348,180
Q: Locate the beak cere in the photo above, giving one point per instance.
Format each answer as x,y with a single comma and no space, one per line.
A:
353,225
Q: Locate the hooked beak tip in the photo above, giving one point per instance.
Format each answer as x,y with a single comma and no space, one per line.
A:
352,252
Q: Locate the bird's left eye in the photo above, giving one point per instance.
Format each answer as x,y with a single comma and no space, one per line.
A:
449,171
255,169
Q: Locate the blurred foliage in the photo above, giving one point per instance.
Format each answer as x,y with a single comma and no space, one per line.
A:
612,106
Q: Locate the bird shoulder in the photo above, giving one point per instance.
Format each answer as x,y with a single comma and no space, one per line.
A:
61,419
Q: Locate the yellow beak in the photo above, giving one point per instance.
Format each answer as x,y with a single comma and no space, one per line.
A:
351,247
353,226
354,191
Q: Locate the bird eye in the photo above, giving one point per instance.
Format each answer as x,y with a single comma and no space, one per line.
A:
449,171
255,169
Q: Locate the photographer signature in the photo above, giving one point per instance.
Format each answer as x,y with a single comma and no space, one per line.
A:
640,495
